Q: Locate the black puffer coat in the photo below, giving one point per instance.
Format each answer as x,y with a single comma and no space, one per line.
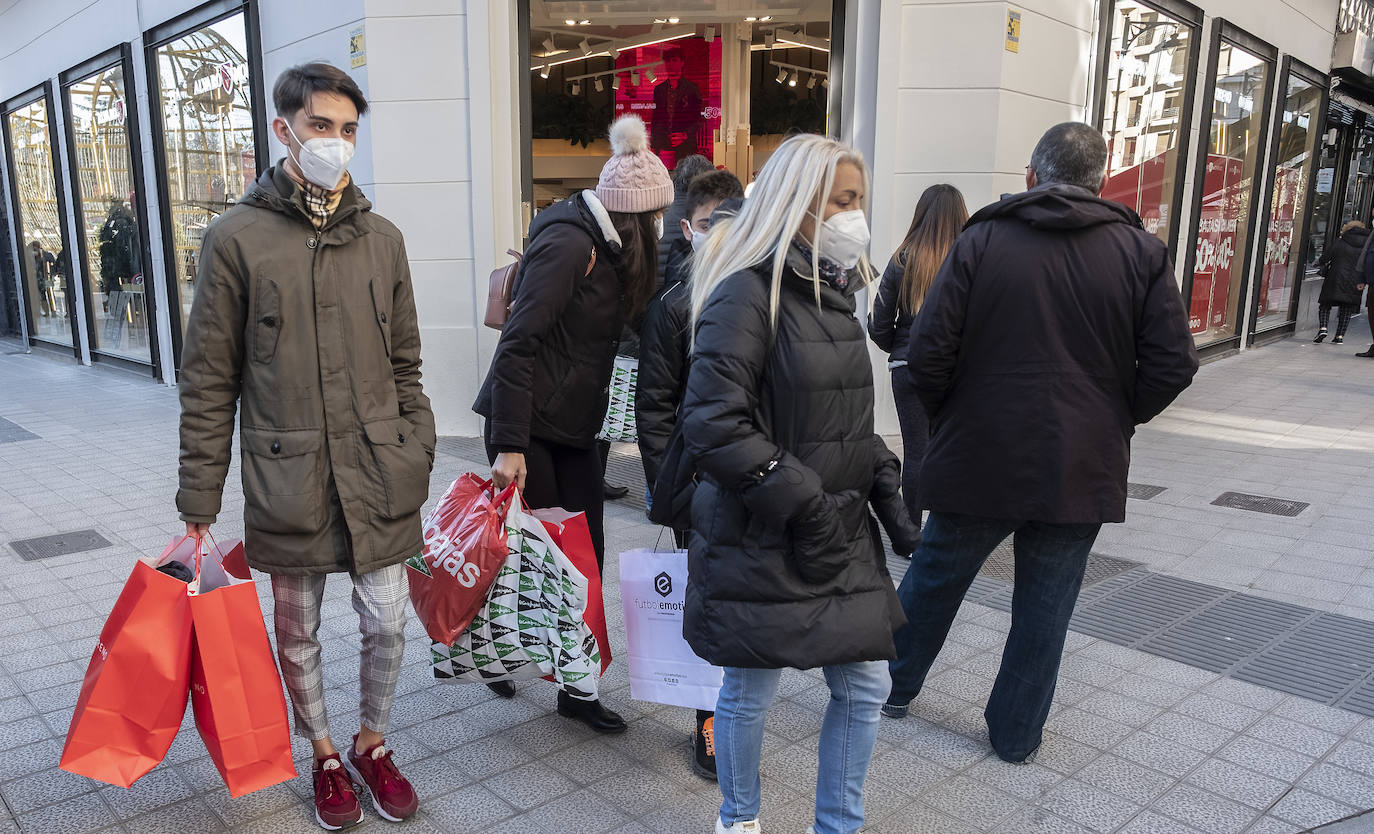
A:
889,326
662,381
1342,269
785,562
551,372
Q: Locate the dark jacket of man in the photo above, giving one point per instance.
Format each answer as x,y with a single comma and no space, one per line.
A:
785,563
550,375
315,334
889,326
1341,269
677,109
664,348
1054,328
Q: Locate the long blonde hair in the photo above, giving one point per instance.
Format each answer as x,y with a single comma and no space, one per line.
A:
796,180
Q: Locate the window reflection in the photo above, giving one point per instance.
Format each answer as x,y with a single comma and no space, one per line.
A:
44,260
1147,80
1298,139
1227,210
114,254
207,134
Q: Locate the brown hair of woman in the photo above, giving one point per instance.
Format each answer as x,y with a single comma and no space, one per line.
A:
939,218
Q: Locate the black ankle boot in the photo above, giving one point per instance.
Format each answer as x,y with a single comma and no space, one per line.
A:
1368,354
591,713
506,689
704,746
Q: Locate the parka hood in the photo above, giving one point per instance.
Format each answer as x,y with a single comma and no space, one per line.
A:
1057,206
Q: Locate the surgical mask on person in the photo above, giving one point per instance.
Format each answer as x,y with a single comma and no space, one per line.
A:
844,238
323,160
658,227
698,240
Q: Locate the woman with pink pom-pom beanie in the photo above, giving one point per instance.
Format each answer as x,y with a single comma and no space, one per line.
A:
590,267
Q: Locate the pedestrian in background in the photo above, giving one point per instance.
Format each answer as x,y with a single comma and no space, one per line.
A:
665,349
589,268
939,217
304,317
672,248
785,564
1343,279
1054,328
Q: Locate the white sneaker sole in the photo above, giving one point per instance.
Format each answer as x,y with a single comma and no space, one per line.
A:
376,806
327,827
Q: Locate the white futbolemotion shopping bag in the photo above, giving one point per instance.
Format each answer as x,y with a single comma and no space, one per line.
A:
663,668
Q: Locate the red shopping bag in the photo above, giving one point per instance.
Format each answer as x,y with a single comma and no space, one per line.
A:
236,693
570,532
465,547
134,694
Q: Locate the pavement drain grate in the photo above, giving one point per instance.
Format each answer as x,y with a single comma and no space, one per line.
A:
1226,633
11,432
1143,492
1260,504
61,544
1324,658
1141,609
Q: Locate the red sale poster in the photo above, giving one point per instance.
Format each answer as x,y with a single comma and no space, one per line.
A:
1141,187
681,102
1278,249
1222,203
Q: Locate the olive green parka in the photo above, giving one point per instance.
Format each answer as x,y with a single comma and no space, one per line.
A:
314,333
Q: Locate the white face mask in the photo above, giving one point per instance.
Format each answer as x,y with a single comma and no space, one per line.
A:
698,240
658,227
844,238
323,161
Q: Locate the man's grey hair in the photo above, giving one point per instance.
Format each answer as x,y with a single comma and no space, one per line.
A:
1070,153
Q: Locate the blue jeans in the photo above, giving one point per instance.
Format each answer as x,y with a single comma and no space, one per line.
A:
1050,559
848,733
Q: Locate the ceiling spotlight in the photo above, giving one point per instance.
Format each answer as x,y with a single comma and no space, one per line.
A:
584,23
615,82
576,89
649,75
598,84
571,22
614,53
751,19
674,20
825,82
782,75
769,38
766,17
544,71
660,20
793,81
549,44
710,34
585,46
811,83
634,78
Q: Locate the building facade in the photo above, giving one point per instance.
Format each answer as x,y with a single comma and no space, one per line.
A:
128,125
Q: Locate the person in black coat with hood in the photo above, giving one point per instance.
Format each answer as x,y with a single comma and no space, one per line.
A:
785,563
1054,328
1344,278
589,268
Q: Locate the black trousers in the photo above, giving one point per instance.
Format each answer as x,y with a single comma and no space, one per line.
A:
567,477
1344,313
911,416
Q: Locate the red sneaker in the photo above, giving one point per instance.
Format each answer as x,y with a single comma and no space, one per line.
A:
336,802
392,794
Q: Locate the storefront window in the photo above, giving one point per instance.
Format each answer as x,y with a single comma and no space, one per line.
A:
105,202
43,258
206,105
1228,206
1281,269
729,90
1147,80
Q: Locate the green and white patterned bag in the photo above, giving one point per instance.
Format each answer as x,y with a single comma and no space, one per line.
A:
619,426
531,625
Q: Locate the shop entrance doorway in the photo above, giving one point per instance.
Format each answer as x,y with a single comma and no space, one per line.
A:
722,79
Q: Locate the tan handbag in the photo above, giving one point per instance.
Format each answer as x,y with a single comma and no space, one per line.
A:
501,289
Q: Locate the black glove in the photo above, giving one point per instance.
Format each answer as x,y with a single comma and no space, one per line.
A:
821,541
886,500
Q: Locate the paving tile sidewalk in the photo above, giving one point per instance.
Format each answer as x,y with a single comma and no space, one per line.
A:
1136,743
